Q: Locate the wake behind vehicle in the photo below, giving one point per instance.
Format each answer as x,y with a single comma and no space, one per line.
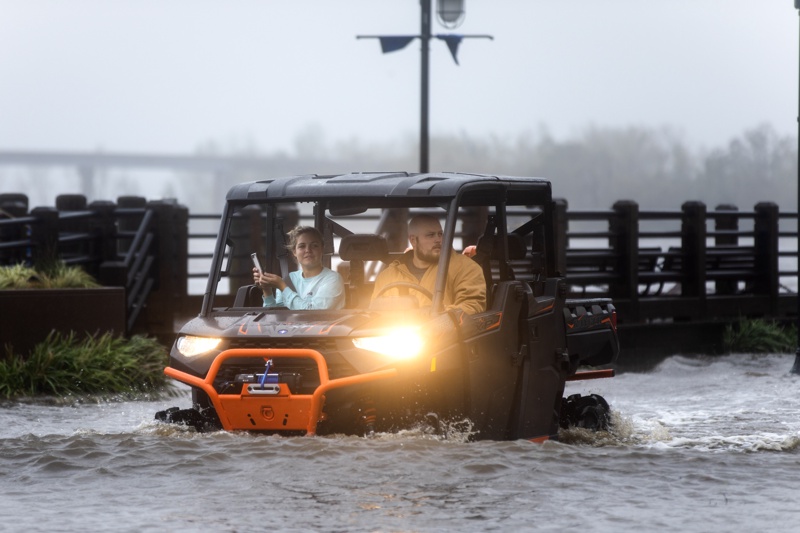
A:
388,363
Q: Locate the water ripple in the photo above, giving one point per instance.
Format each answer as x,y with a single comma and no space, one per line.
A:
692,438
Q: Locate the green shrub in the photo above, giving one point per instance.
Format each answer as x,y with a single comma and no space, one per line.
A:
19,277
63,365
55,275
760,336
61,276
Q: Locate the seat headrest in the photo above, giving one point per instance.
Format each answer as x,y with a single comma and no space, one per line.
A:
363,247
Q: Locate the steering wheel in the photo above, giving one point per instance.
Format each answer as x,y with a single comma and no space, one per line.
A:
407,285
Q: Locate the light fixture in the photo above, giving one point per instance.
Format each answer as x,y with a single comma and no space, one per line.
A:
399,344
192,346
450,12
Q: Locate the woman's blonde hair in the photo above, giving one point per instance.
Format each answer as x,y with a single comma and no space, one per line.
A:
295,233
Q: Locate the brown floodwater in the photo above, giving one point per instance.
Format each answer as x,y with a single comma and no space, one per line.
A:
699,444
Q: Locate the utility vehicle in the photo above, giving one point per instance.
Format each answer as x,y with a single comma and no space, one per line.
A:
388,363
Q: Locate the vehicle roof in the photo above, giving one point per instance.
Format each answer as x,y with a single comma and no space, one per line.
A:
388,187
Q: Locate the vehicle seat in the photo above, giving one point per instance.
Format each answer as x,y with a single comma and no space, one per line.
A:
248,296
356,249
489,256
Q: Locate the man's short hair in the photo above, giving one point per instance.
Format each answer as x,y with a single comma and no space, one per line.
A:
417,220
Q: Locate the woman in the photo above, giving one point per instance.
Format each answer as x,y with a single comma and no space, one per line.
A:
317,287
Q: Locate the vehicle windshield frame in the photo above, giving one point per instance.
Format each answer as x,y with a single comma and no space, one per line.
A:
330,214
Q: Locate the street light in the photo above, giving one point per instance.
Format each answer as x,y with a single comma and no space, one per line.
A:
796,367
450,12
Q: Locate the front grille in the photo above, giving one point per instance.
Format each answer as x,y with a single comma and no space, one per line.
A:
299,373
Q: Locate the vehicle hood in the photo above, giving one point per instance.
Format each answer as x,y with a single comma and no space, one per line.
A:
278,324
330,332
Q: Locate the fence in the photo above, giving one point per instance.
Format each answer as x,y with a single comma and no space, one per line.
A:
690,265
134,244
687,265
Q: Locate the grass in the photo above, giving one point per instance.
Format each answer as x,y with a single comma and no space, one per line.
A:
55,275
760,336
64,365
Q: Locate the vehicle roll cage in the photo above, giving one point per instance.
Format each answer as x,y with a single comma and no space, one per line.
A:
328,210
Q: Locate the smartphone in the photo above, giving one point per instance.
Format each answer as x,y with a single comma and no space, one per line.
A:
254,257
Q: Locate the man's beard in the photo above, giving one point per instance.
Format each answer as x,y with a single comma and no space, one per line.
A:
430,257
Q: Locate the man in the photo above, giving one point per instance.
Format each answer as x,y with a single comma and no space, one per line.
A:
465,288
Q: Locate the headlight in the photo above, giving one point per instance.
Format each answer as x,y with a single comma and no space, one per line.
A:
401,343
190,346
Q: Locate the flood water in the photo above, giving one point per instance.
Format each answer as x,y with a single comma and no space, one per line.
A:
699,444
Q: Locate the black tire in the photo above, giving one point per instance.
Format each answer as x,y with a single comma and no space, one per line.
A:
588,412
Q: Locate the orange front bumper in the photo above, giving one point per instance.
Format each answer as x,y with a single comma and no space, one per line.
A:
275,408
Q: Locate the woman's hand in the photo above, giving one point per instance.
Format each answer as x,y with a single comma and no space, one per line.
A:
266,281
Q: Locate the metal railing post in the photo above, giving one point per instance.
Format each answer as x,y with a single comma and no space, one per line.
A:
624,241
766,253
44,236
693,254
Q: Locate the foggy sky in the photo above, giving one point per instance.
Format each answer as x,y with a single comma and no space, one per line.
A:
170,76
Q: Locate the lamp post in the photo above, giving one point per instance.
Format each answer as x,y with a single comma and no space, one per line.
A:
451,13
425,37
796,367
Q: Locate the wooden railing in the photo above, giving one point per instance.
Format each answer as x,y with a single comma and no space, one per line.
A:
691,264
119,244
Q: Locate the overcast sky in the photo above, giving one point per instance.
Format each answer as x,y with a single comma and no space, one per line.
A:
168,76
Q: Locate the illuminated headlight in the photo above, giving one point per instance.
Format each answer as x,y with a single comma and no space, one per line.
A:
403,343
190,346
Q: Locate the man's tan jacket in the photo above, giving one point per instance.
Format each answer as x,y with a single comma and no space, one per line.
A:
465,289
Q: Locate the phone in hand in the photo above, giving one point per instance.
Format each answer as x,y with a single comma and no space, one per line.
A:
256,264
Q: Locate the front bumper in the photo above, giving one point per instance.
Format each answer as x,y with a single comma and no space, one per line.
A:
272,407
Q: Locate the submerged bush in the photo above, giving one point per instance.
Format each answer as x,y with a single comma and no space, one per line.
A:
760,336
63,365
57,275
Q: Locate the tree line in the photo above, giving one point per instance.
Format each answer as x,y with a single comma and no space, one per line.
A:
655,167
